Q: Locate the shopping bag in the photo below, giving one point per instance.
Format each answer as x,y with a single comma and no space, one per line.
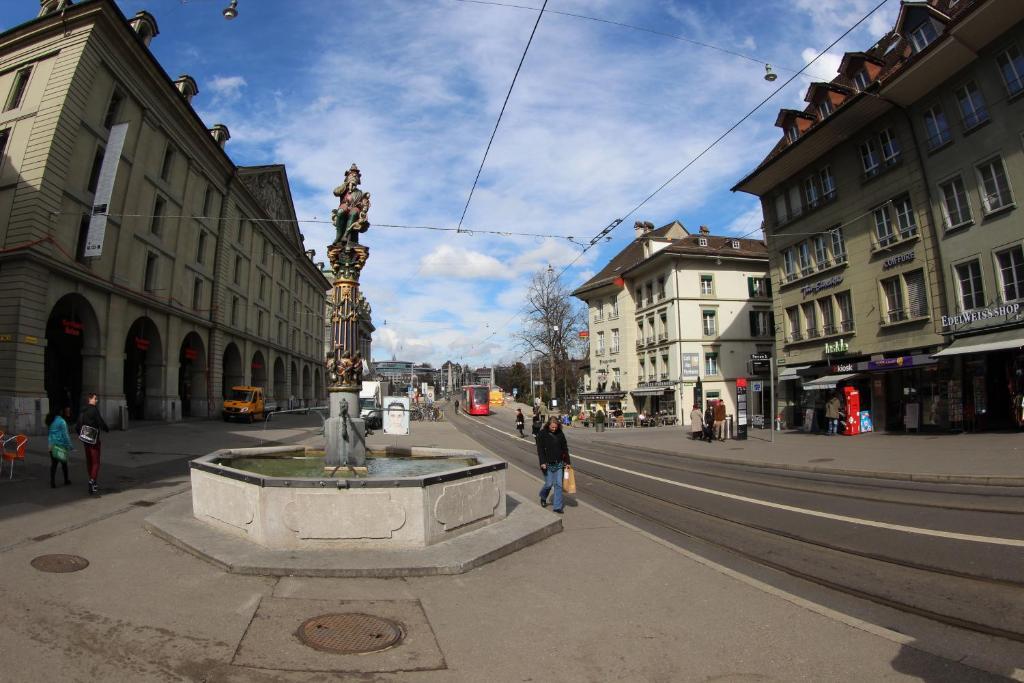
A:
88,434
569,480
60,454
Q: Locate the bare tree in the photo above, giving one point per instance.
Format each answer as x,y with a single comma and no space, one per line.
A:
552,325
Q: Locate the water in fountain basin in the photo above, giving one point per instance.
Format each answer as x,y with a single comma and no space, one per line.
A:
313,467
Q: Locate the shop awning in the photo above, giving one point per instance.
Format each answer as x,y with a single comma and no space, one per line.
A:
791,372
652,391
996,341
828,381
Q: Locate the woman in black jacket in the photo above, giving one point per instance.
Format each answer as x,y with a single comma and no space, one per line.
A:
553,454
90,417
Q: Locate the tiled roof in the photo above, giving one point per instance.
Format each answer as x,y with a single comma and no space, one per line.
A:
892,51
717,246
625,259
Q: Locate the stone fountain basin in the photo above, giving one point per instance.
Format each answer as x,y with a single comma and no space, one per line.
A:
355,512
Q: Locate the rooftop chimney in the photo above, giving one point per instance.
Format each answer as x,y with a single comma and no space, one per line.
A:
704,230
51,6
145,25
186,85
642,228
220,134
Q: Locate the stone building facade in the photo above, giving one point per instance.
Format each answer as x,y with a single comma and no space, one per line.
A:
674,318
892,227
137,260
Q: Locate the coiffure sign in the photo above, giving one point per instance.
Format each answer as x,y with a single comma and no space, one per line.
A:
827,283
967,317
894,261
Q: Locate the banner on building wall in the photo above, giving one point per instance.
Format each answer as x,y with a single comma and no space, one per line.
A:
104,190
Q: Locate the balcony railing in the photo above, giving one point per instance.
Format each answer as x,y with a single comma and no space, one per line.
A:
897,315
650,339
599,352
846,326
614,349
829,330
796,336
664,375
598,317
639,342
663,336
661,296
813,334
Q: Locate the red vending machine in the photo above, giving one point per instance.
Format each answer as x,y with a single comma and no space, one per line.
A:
851,408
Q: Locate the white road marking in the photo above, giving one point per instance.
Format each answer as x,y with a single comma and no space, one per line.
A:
994,540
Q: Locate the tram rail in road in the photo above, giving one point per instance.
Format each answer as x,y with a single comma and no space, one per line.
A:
972,581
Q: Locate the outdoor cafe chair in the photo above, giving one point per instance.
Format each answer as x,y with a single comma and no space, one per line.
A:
18,453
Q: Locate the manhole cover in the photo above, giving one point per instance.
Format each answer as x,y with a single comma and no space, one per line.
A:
60,564
349,633
821,460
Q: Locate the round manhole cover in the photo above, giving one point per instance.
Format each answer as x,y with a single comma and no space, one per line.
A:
60,564
350,633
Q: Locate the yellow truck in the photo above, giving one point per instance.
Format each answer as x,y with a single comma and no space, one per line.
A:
247,404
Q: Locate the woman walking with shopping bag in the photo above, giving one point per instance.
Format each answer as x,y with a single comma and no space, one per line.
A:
520,422
90,422
59,442
553,454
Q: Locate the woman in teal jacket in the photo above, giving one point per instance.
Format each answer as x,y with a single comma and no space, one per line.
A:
59,442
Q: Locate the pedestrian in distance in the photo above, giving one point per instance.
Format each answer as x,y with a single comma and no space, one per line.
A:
696,423
832,414
90,422
720,420
599,418
59,443
456,405
553,454
520,423
536,424
709,422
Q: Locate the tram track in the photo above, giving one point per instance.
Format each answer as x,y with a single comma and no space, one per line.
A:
944,595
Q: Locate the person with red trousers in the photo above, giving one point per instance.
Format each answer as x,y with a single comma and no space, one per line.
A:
90,417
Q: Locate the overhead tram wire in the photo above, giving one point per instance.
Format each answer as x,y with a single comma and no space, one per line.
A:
500,114
605,232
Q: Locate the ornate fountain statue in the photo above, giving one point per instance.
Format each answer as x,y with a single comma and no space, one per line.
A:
345,431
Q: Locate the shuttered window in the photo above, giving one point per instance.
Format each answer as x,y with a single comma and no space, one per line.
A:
917,296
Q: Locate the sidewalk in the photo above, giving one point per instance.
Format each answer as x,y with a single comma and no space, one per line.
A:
600,601
986,458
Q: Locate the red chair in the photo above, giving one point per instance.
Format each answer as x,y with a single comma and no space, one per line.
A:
19,442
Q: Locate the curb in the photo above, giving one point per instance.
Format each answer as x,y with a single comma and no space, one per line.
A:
959,479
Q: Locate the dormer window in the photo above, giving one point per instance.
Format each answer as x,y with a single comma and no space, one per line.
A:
861,79
735,244
702,241
825,108
792,132
923,36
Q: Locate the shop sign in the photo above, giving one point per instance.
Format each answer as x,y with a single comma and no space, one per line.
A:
891,363
838,346
259,366
29,339
827,283
141,344
72,328
1007,310
691,365
843,367
190,353
763,355
896,260
6,337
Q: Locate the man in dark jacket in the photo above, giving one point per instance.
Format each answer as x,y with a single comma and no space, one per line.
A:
90,417
553,454
520,422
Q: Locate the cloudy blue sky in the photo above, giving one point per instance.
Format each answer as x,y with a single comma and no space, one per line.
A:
601,116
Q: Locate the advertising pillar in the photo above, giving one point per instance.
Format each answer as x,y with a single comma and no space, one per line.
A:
851,408
741,408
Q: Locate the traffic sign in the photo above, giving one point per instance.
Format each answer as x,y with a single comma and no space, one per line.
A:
763,355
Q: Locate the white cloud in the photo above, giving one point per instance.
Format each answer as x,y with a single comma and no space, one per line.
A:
227,88
461,264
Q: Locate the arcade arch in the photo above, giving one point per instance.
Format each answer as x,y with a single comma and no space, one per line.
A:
71,361
232,374
143,370
193,376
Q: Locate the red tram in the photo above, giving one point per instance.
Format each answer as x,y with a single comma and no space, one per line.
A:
476,399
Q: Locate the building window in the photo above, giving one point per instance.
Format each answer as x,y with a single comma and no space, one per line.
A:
18,89
973,112
702,241
780,213
792,132
811,193
168,163
895,308
937,128
83,235
615,308
197,294
1011,66
207,196
795,207
600,343
838,245
825,108
201,247
94,172
710,363
789,264
280,332
995,190
259,323
615,341
905,219
923,36
707,285
266,251
820,252
968,277
158,215
869,160
811,319
234,311
708,323
149,279
793,319
805,259
237,277
263,287
828,184
241,232
917,293
661,288
5,135
1011,273
759,286
761,324
828,317
845,306
861,79
955,208
890,147
113,108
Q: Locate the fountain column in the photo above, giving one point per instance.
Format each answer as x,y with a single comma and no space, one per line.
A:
344,430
